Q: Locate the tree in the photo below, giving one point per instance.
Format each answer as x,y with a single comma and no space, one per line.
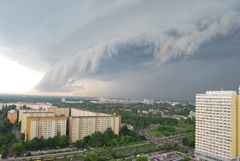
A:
4,151
108,135
17,149
34,144
185,159
63,141
86,139
80,144
97,139
190,141
92,156
5,126
142,158
124,130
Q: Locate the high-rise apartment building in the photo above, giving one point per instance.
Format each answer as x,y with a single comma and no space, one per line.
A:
217,126
21,112
27,114
55,110
59,111
45,126
12,116
83,123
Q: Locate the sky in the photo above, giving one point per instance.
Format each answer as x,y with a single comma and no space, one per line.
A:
150,49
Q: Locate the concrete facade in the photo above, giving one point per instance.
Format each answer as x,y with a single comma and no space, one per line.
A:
46,127
84,123
217,126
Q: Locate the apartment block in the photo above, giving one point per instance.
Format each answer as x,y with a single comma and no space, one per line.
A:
83,123
27,114
78,112
217,126
12,116
45,126
59,111
20,115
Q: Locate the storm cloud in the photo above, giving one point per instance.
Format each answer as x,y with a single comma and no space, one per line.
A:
131,58
154,49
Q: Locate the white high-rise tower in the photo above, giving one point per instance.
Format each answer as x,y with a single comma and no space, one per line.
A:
217,126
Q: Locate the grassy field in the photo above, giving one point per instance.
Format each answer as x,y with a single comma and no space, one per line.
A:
163,131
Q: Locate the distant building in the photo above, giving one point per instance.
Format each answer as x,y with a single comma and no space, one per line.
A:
31,105
71,102
122,101
130,127
148,101
179,117
192,114
145,112
45,126
217,126
83,123
12,116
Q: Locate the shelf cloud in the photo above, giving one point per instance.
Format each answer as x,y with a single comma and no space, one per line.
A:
111,60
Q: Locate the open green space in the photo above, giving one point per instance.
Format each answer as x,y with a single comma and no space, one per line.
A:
164,131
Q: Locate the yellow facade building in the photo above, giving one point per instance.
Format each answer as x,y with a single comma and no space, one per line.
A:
217,126
21,112
45,126
83,123
52,121
27,114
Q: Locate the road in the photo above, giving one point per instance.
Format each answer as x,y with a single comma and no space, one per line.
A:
57,155
162,140
61,150
67,154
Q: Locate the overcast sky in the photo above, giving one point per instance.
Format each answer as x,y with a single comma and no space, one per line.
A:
127,48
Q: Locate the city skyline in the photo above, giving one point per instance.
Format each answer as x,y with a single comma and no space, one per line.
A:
125,49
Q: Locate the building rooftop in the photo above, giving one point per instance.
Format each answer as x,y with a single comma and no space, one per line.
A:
12,111
95,116
221,92
37,112
217,93
91,113
47,117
